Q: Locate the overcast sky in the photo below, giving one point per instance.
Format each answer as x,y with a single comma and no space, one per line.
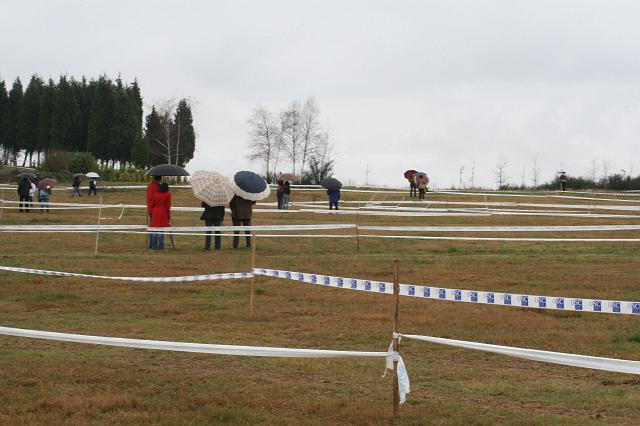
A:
430,85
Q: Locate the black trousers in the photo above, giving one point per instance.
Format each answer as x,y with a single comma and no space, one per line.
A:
92,190
24,202
218,238
236,238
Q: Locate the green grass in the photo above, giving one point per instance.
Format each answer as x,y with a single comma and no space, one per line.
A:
45,382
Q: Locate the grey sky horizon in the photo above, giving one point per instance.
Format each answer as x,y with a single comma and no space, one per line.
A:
430,85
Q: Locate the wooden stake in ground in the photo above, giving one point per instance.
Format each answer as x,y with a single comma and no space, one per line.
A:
253,277
396,308
98,227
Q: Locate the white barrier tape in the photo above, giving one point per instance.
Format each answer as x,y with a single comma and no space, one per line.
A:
204,348
319,227
582,361
505,239
394,214
188,278
33,228
571,228
457,295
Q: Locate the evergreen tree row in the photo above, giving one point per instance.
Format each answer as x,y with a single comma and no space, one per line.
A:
102,117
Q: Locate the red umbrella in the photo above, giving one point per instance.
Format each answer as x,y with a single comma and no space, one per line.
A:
47,182
409,174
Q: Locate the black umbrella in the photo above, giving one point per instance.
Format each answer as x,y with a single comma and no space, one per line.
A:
79,175
26,175
331,183
250,186
166,170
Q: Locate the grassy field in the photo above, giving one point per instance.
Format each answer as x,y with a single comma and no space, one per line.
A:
43,382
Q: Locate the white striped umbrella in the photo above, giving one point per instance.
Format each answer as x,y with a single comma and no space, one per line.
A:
211,187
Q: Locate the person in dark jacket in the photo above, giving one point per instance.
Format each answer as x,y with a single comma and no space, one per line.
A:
334,197
92,187
280,194
212,216
24,186
563,181
75,187
286,194
241,212
413,188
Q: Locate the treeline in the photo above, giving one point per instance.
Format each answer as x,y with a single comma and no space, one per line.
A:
614,182
101,117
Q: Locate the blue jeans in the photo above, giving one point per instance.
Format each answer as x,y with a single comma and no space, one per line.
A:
157,241
207,239
332,204
285,202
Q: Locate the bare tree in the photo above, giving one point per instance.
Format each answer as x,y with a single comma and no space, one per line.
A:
321,162
535,172
291,128
309,131
164,138
606,166
265,140
472,178
593,170
500,171
367,172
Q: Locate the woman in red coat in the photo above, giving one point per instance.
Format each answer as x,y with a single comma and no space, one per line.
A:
160,215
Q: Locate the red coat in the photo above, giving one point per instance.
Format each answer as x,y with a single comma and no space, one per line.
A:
160,209
152,188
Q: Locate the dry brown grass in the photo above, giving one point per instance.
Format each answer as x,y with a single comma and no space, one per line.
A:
45,382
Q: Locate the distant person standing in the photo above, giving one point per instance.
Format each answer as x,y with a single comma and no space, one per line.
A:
44,195
212,216
75,187
280,194
563,181
422,188
286,194
32,192
412,188
160,215
152,188
24,186
334,198
92,187
241,212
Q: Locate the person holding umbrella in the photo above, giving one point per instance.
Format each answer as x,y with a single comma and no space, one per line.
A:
152,188
214,190
286,194
280,193
332,185
563,180
160,215
249,187
408,175
32,192
44,195
93,186
24,186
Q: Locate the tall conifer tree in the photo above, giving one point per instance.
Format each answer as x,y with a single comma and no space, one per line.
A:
184,134
12,124
29,118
